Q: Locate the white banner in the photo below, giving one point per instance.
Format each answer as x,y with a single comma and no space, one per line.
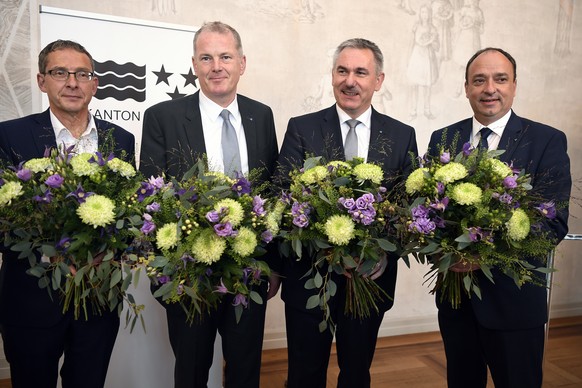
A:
138,63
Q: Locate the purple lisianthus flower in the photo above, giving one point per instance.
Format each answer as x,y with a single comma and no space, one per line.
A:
221,288
240,299
223,230
157,182
510,182
242,185
467,149
440,188
267,236
55,181
163,279
347,203
505,198
46,197
422,225
445,157
420,211
148,225
145,190
301,221
548,209
80,194
213,216
153,207
24,174
258,204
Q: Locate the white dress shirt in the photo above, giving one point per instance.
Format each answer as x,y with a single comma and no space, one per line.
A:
362,130
497,127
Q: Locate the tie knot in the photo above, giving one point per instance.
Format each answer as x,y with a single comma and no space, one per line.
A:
225,114
352,123
485,132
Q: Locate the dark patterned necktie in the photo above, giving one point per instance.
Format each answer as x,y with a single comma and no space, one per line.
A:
483,143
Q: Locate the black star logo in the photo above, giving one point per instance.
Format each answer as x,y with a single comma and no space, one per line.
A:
175,94
190,78
162,76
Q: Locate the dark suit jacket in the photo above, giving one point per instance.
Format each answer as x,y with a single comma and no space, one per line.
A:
541,151
22,302
319,134
172,138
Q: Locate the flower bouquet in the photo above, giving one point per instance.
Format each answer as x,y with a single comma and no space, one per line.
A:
202,236
65,212
333,214
474,212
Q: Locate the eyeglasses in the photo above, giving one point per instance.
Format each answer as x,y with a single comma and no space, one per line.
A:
61,74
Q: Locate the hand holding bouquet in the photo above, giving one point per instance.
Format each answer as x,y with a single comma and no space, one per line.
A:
202,236
475,212
332,215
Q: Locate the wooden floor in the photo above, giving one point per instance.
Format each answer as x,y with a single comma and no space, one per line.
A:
418,361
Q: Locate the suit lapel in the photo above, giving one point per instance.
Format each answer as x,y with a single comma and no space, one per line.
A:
249,123
378,127
46,134
331,135
193,127
511,137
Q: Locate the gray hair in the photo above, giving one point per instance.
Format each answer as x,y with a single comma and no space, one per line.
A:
221,28
361,44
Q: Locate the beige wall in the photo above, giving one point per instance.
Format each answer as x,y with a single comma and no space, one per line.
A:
288,45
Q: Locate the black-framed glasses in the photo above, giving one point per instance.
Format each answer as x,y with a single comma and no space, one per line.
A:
61,74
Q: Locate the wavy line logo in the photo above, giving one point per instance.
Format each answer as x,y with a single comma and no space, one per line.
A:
121,81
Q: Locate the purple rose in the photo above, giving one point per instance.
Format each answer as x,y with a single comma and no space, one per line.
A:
213,216
24,174
510,182
223,230
445,157
148,226
347,203
55,181
267,236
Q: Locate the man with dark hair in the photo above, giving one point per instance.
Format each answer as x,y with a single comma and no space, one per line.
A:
356,75
34,330
175,134
505,329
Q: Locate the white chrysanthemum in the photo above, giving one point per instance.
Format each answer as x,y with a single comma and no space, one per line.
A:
369,172
340,229
81,165
167,236
466,194
208,247
124,169
9,191
39,165
450,172
314,174
415,181
234,211
97,210
245,242
518,226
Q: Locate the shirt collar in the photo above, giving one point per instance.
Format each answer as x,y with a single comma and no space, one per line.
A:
364,118
58,127
497,126
212,109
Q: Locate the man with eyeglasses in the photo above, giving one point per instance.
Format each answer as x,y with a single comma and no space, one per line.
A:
35,331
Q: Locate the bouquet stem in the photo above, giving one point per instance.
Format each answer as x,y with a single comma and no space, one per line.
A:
362,294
